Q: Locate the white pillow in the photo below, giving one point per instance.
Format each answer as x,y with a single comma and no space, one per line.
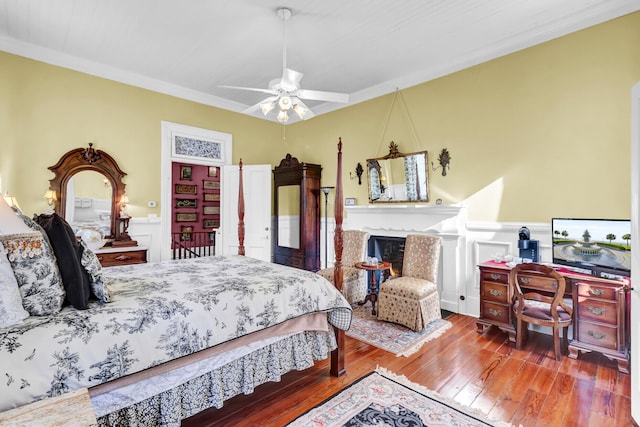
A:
11,310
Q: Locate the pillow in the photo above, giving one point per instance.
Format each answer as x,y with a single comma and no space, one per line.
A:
68,252
92,266
11,310
35,269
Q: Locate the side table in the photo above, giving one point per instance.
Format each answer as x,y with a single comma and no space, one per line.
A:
372,294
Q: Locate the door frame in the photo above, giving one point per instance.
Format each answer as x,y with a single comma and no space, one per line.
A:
169,131
635,253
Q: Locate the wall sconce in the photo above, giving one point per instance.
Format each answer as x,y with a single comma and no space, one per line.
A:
359,171
50,195
124,200
444,158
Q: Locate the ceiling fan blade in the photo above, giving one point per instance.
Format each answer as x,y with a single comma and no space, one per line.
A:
253,89
257,107
290,79
318,95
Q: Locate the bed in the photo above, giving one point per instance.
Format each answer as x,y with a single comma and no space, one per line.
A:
171,342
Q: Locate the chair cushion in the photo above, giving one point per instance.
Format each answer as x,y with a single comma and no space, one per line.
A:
541,310
348,274
408,287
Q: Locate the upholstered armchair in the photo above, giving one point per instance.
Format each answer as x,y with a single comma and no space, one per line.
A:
354,284
412,299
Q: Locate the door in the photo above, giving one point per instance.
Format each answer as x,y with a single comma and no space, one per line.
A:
256,181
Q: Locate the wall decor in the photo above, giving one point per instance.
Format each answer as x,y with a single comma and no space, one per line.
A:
211,210
209,197
444,159
186,231
186,203
186,189
210,185
185,172
186,217
211,223
213,171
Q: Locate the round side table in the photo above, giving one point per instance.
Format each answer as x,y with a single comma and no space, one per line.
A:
372,294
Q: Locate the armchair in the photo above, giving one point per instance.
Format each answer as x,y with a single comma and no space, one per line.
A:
354,287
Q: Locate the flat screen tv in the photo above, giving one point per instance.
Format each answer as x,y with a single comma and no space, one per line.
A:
602,246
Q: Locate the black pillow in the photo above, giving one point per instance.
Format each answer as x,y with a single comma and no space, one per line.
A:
68,254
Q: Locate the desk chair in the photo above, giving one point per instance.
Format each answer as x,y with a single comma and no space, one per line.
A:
354,284
538,292
412,300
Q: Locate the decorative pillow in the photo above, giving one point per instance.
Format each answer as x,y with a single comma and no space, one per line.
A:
35,269
68,253
11,310
92,266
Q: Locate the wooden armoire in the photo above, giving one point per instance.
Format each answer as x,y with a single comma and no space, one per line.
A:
296,196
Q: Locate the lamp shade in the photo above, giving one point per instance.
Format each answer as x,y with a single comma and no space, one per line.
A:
10,223
12,201
50,195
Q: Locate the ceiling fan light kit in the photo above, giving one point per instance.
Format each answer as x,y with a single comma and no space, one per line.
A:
286,91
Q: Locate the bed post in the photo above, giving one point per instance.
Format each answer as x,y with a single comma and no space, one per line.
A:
337,355
240,211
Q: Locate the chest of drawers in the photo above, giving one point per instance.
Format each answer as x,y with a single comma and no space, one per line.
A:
122,256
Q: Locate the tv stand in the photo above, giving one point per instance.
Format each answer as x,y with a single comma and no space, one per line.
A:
600,310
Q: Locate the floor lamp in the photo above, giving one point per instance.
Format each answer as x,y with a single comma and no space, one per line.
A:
326,191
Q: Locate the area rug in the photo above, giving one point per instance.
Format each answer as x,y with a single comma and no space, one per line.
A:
394,338
382,398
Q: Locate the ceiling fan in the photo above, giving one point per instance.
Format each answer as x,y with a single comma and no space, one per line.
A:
285,91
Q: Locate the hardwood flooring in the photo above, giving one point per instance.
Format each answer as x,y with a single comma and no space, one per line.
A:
525,387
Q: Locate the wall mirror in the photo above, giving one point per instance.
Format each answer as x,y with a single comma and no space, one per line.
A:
398,177
88,186
289,214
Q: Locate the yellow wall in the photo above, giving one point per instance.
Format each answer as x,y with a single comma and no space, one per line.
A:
539,133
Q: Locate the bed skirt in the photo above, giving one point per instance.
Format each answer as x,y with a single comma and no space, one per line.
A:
167,409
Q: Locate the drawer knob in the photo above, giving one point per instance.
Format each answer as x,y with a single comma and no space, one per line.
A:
597,335
596,310
494,276
123,257
495,292
596,292
525,280
494,312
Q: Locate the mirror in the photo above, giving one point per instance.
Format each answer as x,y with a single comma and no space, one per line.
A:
88,186
289,216
88,202
398,177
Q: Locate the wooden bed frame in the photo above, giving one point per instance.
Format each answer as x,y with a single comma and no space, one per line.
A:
337,356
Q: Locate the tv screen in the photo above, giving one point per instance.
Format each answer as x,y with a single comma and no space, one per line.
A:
599,245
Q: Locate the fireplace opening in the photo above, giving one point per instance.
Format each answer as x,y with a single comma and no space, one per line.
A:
389,249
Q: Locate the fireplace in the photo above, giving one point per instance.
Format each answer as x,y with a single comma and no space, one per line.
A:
389,225
390,249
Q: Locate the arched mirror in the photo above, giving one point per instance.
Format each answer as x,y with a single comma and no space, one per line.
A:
398,177
88,186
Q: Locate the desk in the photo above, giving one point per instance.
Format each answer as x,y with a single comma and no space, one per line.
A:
372,294
600,310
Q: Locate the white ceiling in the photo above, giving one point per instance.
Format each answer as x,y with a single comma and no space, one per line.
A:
366,48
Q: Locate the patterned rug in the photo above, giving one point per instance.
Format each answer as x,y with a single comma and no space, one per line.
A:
394,338
382,398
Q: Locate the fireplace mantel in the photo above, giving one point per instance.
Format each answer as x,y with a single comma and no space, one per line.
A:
409,218
446,221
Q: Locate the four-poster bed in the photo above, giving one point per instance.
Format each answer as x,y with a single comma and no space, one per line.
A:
160,352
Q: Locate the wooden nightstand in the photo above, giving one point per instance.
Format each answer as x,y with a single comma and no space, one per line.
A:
110,257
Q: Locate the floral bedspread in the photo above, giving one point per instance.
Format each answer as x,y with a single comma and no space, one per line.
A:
159,312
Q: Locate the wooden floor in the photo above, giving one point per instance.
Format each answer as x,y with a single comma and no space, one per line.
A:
525,387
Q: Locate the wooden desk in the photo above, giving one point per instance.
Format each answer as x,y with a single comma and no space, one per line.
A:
372,294
601,310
